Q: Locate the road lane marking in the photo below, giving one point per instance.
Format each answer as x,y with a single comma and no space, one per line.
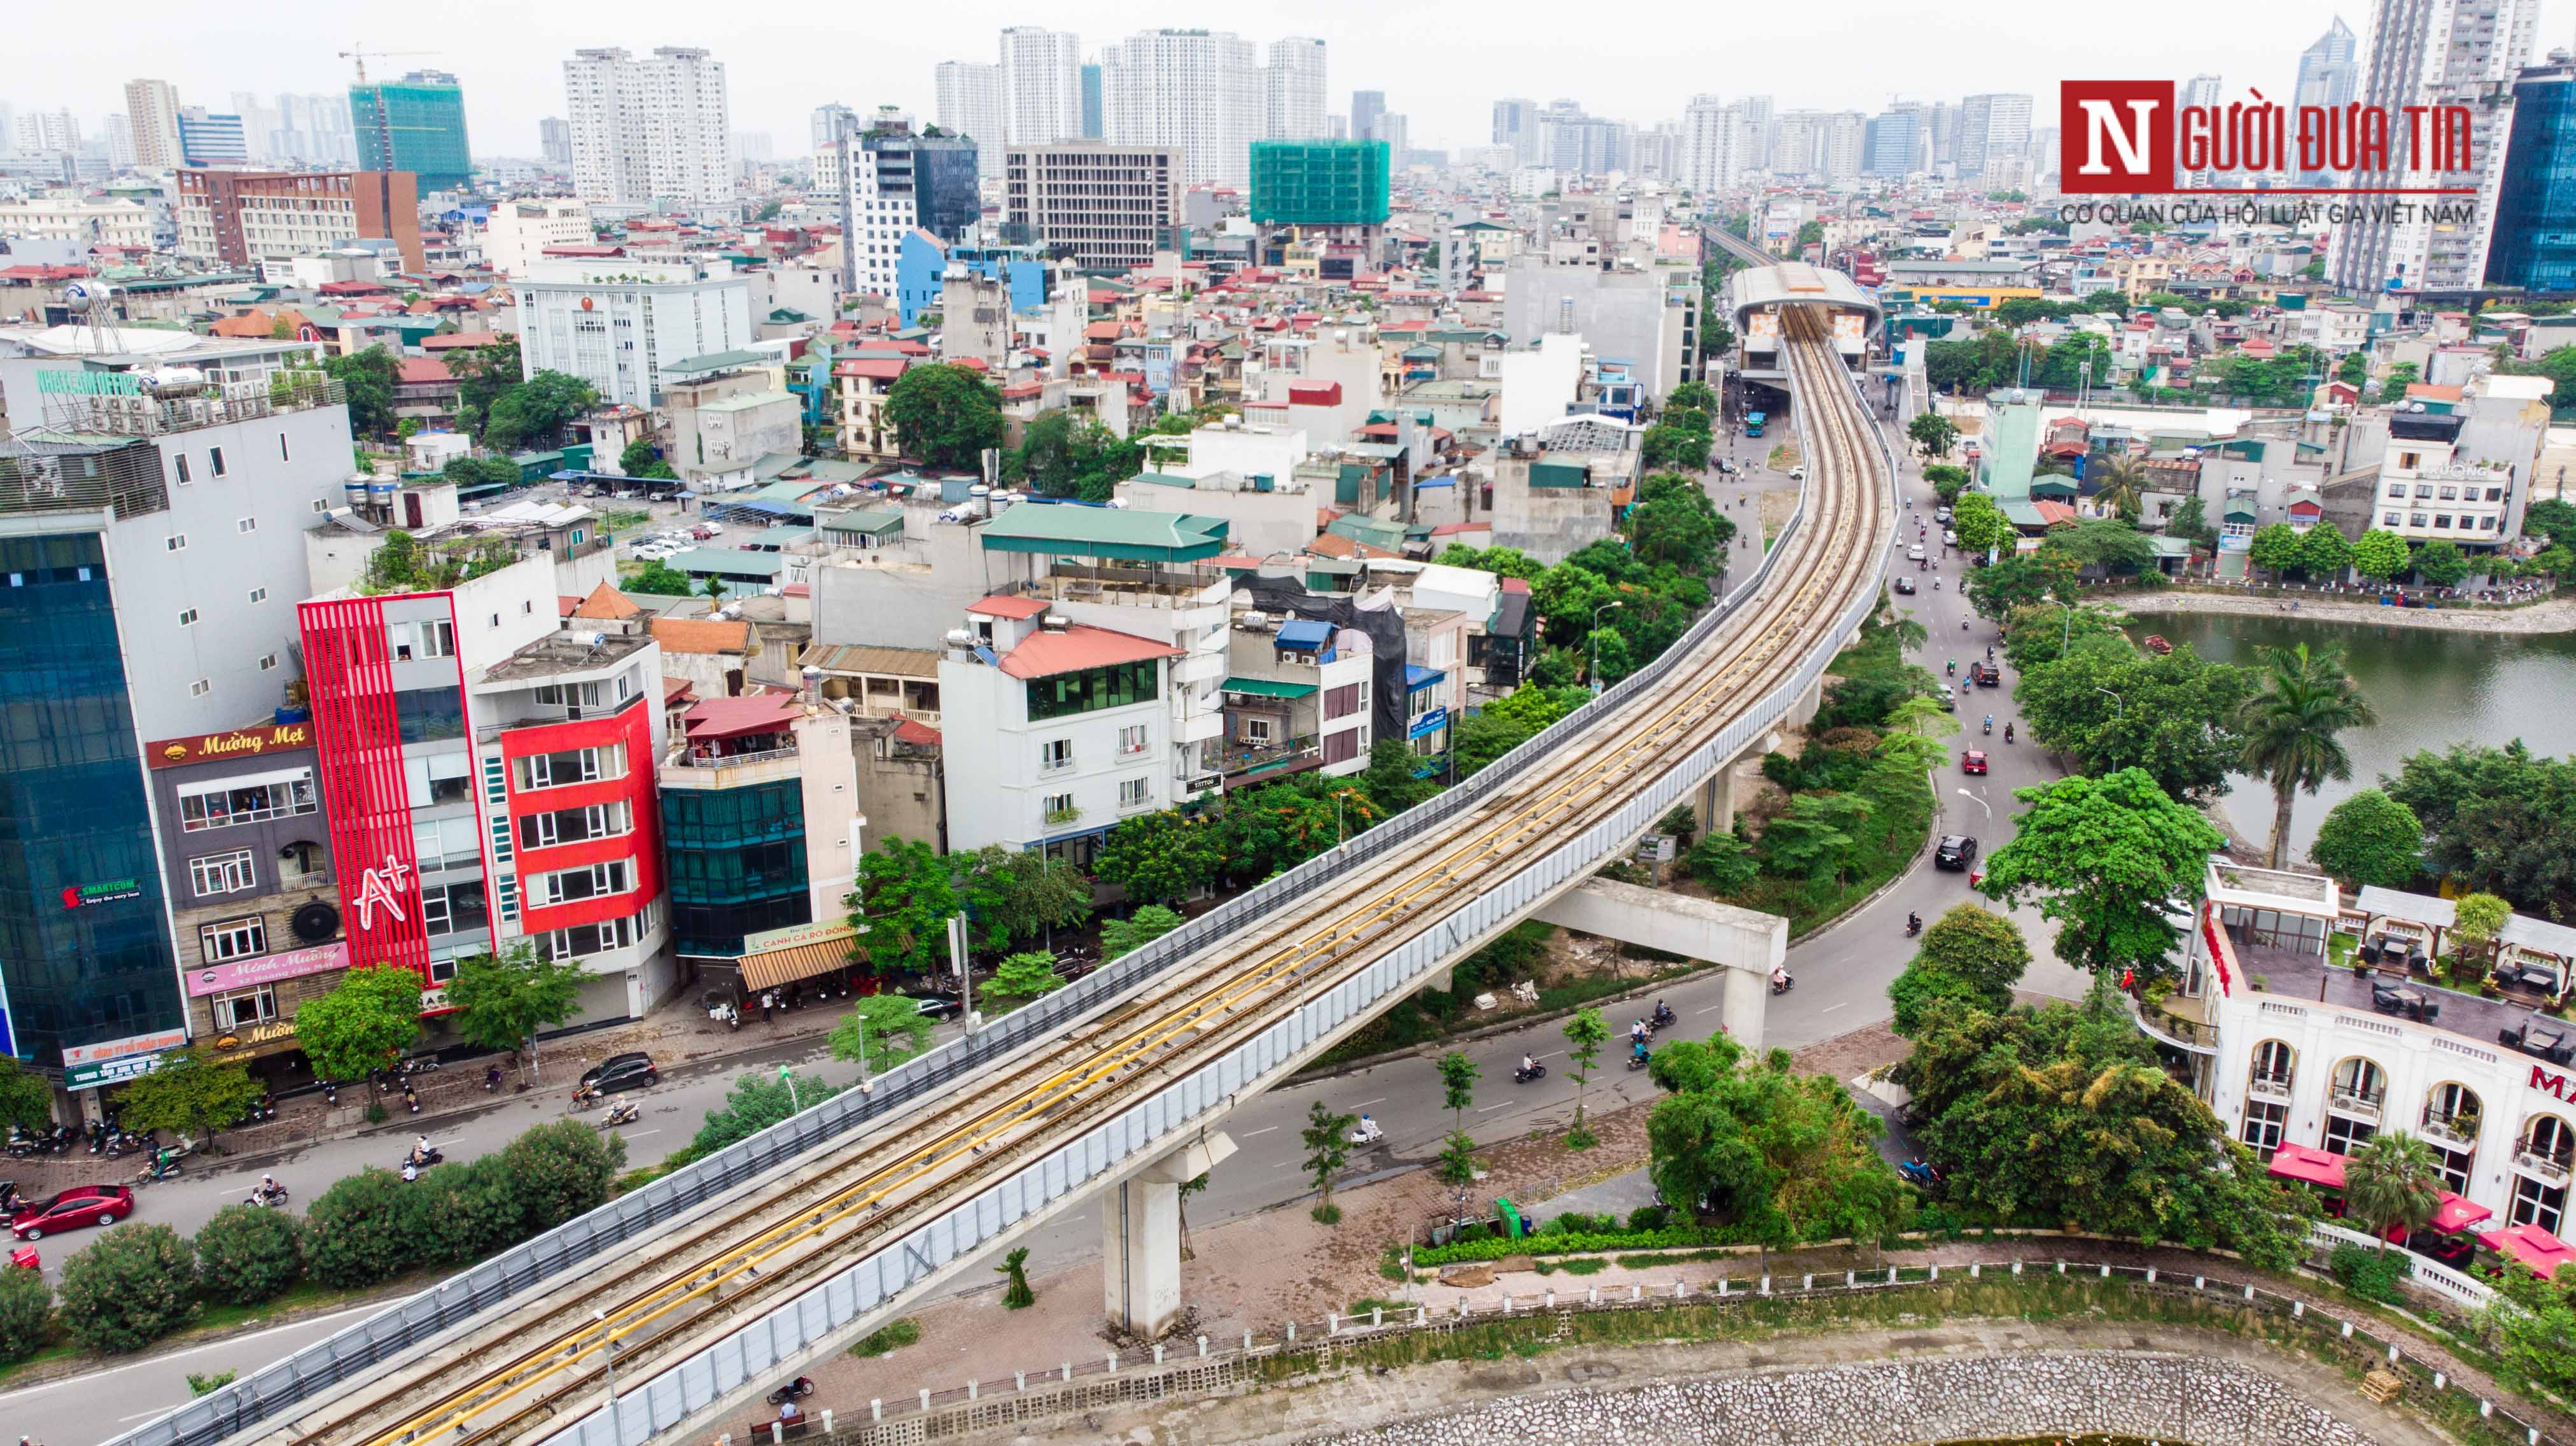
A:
1489,1109
1830,1008
1265,1129
1712,1009
1364,1104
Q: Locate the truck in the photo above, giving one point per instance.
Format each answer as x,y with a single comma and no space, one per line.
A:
1753,424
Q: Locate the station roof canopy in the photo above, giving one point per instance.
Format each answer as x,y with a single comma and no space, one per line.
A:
1792,283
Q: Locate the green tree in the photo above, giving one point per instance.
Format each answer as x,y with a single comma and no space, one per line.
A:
365,1023
563,1169
25,1098
2532,1321
1668,445
2107,543
882,1030
26,1310
193,1094
249,1253
2120,482
902,908
1722,863
2019,580
1584,1034
1933,434
1016,1295
1389,780
2291,728
2189,520
1981,525
2553,518
1126,936
1675,522
639,454
2354,369
1458,1076
1970,955
2108,706
660,579
1818,837
359,1233
2275,549
2392,1182
367,378
2370,839
1811,233
2323,553
1699,396
536,412
1946,482
2478,920
2063,1115
2380,556
2496,819
758,1100
1783,1156
131,1287
945,415
2400,376
1327,1141
502,1001
1023,977
482,375
2106,857
458,1214
2441,563
1164,857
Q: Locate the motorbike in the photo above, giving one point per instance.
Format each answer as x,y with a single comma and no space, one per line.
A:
797,1389
330,1092
1640,1058
2008,733
1524,1076
492,1080
418,1064
11,1202
161,1167
410,1099
1784,983
273,1199
1990,723
1662,1017
1368,1133
584,1096
624,1112
263,1109
1920,1172
22,1144
1913,925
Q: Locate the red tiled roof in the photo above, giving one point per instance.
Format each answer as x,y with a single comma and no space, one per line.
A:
676,689
424,371
564,604
1072,650
1021,608
353,288
735,717
702,635
972,364
606,602
912,730
880,368
2053,513
1516,584
460,340
253,325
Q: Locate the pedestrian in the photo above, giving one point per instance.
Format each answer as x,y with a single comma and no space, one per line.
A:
768,1002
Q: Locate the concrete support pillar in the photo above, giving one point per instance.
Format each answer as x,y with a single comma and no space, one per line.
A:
1140,1237
1809,703
1443,978
1748,1001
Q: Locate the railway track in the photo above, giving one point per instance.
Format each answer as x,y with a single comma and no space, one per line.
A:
534,1365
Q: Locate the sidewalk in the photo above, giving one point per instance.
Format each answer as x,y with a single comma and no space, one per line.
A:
2557,615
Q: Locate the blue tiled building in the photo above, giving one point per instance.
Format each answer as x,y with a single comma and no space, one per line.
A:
923,260
2535,224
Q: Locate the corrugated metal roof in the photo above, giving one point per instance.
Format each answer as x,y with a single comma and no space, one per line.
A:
1264,688
1079,649
1105,532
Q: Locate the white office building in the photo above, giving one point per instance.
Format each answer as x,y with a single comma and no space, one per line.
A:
970,105
1294,89
651,134
518,232
830,123
1719,144
1991,128
1041,98
152,109
44,132
617,322
1199,91
77,219
2422,53
1843,137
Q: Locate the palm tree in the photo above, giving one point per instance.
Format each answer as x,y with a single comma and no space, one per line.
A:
2392,1180
2290,728
2124,484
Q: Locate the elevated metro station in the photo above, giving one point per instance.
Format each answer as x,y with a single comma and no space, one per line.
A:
1756,300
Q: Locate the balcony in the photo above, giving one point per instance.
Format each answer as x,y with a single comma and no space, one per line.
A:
689,769
2177,1023
2552,1168
1247,765
2354,1103
2446,1129
2275,1088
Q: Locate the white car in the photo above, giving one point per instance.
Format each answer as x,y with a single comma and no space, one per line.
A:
1798,474
1950,536
710,529
1914,553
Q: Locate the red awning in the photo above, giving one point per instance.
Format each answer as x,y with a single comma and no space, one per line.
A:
2455,1214
2309,1167
2531,1245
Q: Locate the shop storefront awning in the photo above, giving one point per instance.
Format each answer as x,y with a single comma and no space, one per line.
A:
2531,1245
2321,1168
802,961
2455,1214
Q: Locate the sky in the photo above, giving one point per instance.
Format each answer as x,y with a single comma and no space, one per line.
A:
1641,66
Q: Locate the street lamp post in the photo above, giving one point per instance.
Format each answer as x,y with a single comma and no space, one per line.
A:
787,1077
608,1357
2119,705
1592,643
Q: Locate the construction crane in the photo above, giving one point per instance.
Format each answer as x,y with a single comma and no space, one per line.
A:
384,115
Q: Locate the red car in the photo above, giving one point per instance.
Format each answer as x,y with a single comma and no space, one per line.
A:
80,1205
1972,762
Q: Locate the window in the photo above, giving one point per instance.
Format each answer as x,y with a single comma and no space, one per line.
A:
437,778
426,715
245,800
2452,494
215,460
1342,702
2344,1134
1256,730
2537,1202
573,825
2442,520
598,938
1135,793
246,524
446,843
321,504
453,908
428,638
201,687
233,939
175,542
267,661
1059,807
224,873
567,885
1342,747
2358,1085
283,455
2263,1122
2397,491
259,595
1116,686
1131,741
2390,519
180,460
579,765
241,1011
2415,519
188,618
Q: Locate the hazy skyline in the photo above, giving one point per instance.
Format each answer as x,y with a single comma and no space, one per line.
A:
510,58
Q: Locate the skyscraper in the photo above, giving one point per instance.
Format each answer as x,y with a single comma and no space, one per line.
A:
1091,101
414,124
2327,72
1798,143
1844,136
1294,90
1991,126
830,123
1041,75
554,139
152,109
43,132
2203,91
1198,90
969,104
210,138
1366,107
654,132
1895,143
2535,226
1757,110
1573,143
1516,126
2435,52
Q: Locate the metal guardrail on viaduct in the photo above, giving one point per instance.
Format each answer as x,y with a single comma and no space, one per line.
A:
821,1222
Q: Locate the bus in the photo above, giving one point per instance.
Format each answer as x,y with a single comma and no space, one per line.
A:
1753,424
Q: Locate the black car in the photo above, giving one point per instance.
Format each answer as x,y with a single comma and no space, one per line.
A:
621,1072
2540,1040
1985,675
1957,851
936,1006
1905,587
